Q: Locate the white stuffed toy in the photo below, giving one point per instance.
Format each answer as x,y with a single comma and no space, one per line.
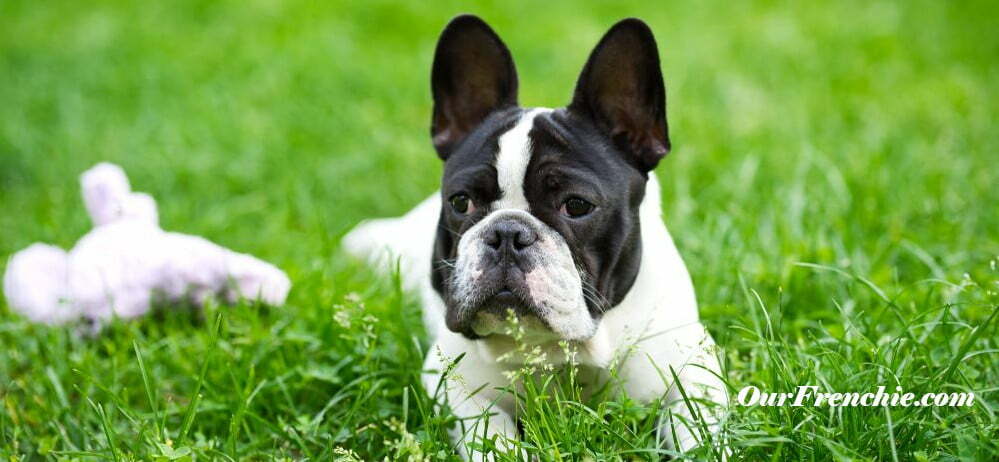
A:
127,264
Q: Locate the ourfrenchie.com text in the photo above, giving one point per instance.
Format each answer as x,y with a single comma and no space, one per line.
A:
809,395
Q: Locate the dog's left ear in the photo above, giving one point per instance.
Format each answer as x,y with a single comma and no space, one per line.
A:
473,75
621,89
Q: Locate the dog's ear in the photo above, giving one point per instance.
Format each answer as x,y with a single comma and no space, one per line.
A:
621,90
473,75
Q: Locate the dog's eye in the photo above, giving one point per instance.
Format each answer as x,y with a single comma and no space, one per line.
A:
575,207
462,204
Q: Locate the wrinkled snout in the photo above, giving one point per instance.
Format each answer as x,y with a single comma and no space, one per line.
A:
512,261
494,260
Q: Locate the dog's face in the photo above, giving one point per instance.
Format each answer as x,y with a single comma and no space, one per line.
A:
540,207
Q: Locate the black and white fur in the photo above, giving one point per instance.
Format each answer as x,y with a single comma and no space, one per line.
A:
554,215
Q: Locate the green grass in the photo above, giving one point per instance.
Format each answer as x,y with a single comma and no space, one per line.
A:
833,189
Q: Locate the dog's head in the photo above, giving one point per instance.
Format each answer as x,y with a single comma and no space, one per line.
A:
540,207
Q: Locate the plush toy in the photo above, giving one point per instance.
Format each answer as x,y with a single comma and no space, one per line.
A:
127,264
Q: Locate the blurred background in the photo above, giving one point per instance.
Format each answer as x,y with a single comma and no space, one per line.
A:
859,136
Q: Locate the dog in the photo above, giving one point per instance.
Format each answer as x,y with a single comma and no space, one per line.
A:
549,219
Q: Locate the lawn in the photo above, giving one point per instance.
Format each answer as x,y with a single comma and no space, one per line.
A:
833,188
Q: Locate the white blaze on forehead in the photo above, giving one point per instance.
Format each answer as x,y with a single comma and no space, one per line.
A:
511,162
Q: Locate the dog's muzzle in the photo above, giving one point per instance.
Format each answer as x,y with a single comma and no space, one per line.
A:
512,262
495,279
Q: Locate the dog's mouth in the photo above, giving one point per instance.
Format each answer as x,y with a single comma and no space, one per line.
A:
493,312
507,314
504,300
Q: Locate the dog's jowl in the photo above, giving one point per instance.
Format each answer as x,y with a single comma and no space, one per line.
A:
549,218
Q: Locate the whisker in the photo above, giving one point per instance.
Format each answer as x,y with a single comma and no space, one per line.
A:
445,263
449,230
591,294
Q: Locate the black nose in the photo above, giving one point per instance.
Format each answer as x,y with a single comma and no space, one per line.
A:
510,236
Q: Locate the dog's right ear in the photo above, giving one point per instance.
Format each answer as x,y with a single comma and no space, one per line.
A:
473,75
621,89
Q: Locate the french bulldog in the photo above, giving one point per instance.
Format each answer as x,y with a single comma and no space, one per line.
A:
549,219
